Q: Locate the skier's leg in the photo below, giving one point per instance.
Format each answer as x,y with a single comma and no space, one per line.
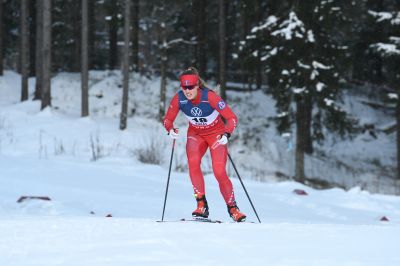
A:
195,150
219,155
219,158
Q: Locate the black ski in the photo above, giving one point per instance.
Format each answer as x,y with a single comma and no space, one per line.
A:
202,220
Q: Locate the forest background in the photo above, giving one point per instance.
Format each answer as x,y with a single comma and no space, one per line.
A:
307,55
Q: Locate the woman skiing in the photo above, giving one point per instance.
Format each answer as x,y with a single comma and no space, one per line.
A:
204,109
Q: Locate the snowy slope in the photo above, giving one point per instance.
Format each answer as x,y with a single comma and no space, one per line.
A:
50,153
323,228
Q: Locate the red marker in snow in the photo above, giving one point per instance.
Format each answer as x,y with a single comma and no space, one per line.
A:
300,192
384,219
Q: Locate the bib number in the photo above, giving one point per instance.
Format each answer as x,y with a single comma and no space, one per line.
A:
200,121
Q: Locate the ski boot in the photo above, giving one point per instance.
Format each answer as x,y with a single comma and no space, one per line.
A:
202,207
235,213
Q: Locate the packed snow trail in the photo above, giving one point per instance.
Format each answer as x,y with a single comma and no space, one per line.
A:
126,241
331,227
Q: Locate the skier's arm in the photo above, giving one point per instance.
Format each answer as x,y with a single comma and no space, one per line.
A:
226,112
172,112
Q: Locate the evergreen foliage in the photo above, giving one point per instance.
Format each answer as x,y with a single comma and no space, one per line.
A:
300,57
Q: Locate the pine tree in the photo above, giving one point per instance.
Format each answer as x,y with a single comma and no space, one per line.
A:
173,37
389,51
300,61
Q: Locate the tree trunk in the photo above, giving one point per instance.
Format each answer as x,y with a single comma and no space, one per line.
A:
163,63
200,31
24,50
76,24
304,11
163,85
32,37
202,57
46,54
398,131
222,49
259,66
84,60
91,33
308,146
299,157
38,50
135,35
246,23
124,112
376,71
1,38
113,35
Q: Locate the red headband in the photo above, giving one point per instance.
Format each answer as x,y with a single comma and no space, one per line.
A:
189,80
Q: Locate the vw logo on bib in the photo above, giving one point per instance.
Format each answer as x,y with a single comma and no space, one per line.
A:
196,111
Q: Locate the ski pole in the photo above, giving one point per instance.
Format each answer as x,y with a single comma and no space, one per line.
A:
169,174
247,194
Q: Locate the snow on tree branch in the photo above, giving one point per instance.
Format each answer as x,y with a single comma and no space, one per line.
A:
291,27
271,21
393,96
177,41
386,49
395,39
298,90
393,18
319,65
320,86
271,52
381,16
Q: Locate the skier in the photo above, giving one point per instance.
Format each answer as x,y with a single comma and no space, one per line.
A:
204,108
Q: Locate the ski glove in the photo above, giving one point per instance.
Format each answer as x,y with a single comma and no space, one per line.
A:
174,133
223,140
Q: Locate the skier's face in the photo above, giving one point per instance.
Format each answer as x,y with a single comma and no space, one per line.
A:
190,91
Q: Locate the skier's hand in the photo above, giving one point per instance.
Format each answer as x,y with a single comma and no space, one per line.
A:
223,140
174,133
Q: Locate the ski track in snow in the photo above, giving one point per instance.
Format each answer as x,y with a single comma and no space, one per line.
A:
115,241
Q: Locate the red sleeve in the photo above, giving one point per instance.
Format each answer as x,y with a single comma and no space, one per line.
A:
223,108
172,112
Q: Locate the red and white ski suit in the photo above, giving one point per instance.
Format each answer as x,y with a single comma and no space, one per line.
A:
205,128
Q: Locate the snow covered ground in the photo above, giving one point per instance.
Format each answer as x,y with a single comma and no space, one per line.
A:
90,169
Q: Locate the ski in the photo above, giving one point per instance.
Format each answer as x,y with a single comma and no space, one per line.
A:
206,220
203,220
200,220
